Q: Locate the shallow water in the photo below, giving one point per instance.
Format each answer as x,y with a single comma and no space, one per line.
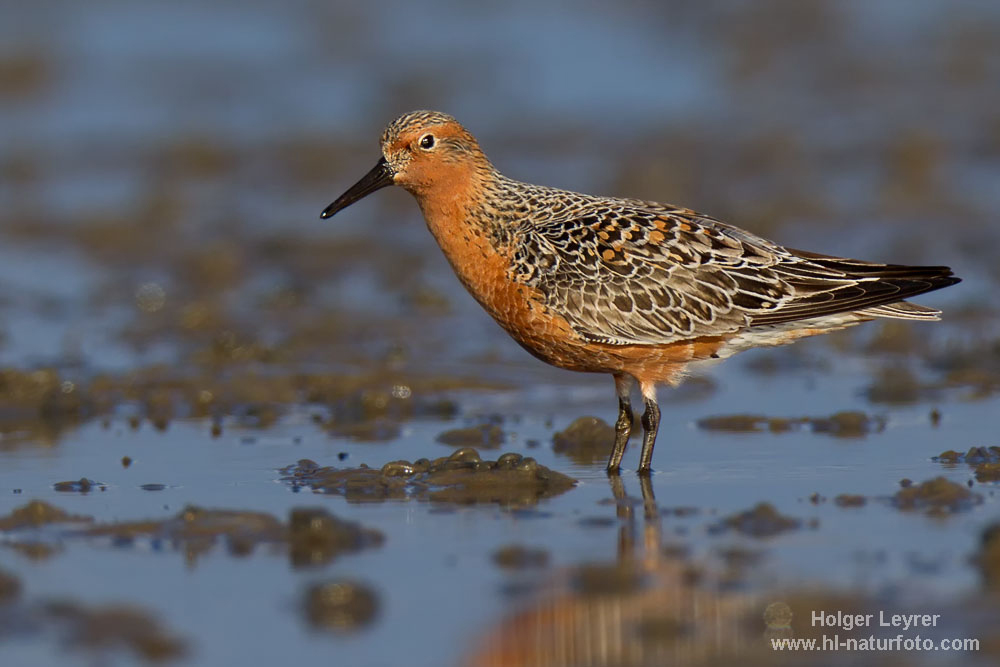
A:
177,327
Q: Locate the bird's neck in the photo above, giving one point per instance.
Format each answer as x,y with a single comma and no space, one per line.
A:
466,208
470,228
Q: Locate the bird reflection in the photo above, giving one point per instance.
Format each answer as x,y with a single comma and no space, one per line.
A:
651,605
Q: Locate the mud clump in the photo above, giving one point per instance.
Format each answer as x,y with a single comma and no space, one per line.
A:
761,521
849,424
850,500
984,461
340,606
311,537
100,631
369,404
987,472
23,75
587,440
974,456
741,423
115,627
35,551
40,404
197,530
10,587
462,478
487,436
377,430
988,557
898,386
936,497
82,485
38,513
316,537
517,557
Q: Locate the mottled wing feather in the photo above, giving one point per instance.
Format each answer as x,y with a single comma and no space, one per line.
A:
628,272
625,275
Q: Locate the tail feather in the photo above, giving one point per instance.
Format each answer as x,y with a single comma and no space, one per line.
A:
903,310
855,286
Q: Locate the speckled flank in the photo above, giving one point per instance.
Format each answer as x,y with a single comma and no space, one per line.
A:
622,286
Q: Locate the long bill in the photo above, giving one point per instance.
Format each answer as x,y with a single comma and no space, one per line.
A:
376,179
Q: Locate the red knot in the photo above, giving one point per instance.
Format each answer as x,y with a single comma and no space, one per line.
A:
633,288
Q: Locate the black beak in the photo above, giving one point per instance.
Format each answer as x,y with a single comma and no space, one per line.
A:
376,179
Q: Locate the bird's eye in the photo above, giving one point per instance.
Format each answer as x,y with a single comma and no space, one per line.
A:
427,141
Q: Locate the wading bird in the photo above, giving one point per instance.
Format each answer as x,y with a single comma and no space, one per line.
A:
632,288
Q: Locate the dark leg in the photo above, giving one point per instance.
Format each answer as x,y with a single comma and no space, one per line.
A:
623,427
650,423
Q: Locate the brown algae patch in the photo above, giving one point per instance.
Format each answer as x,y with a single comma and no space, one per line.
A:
39,405
340,606
316,537
587,440
850,500
761,521
898,386
461,478
98,630
312,536
974,456
984,461
38,513
518,557
10,587
849,424
987,559
487,436
368,402
115,627
987,472
82,485
936,497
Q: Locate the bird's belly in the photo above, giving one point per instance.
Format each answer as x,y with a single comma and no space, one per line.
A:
518,309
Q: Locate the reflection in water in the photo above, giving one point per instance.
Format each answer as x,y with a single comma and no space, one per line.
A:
649,606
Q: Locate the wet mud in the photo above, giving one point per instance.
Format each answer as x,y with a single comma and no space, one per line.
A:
587,440
461,478
839,425
761,521
486,436
311,537
176,324
983,461
98,633
518,557
938,497
340,606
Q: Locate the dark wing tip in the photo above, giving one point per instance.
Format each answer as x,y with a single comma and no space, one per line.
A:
873,285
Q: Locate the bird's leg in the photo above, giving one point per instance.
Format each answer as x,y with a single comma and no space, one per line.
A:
650,423
623,427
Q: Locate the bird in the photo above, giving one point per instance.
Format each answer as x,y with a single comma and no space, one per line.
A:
632,288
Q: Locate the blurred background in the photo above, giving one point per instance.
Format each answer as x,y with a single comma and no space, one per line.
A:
168,295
